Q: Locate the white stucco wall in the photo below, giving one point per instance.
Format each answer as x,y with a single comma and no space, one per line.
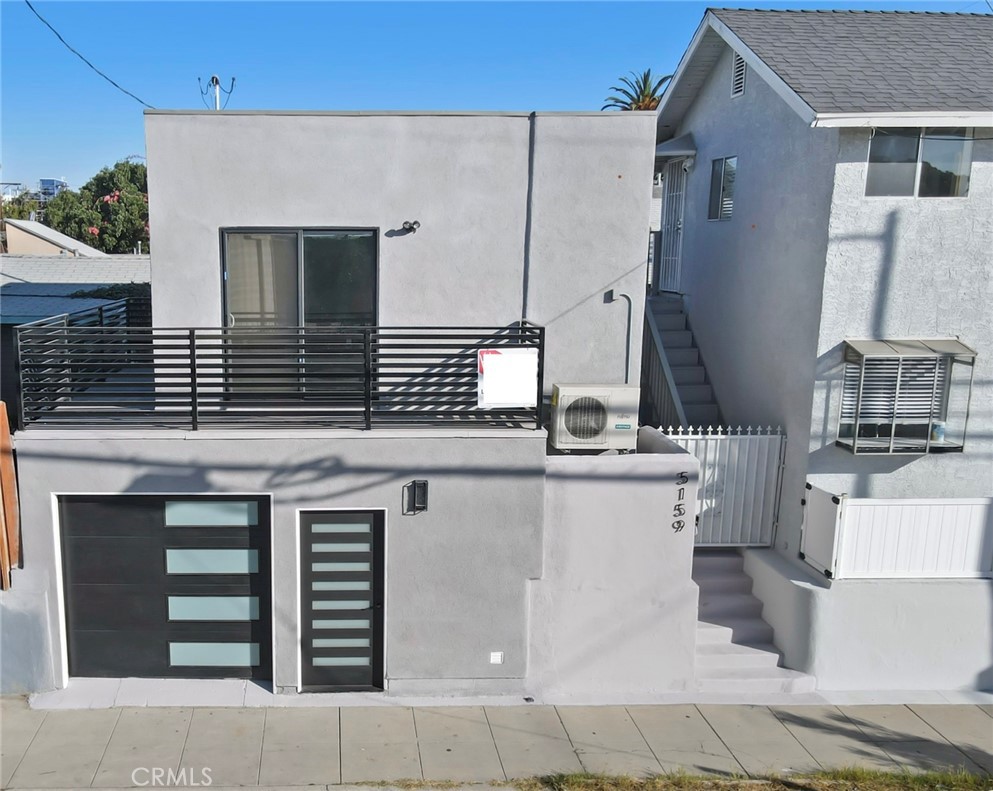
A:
613,617
463,177
906,268
753,283
877,634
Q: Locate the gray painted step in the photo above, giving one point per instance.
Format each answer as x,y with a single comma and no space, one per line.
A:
676,339
717,561
713,584
682,357
733,655
671,321
702,414
663,305
754,680
695,394
719,606
748,631
688,374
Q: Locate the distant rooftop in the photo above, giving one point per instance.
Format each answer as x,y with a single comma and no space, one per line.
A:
52,236
874,61
106,270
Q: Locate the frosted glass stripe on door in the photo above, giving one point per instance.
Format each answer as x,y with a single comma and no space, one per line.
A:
340,642
341,605
340,566
341,548
213,654
350,527
341,661
212,561
213,608
211,513
355,623
341,585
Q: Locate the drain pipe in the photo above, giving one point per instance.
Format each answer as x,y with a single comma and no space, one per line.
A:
609,297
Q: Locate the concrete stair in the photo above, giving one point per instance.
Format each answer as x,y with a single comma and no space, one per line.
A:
734,647
688,371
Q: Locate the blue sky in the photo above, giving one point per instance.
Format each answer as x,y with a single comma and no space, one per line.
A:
61,120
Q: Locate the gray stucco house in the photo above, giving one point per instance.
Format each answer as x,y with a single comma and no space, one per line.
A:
292,476
827,251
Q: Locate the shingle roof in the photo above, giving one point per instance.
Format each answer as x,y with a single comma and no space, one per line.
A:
55,237
874,61
66,269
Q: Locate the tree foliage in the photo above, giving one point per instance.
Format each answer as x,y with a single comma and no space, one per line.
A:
20,207
641,93
110,211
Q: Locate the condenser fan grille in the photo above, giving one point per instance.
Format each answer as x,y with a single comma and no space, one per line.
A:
586,418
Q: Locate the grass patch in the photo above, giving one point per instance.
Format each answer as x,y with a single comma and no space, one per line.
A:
837,780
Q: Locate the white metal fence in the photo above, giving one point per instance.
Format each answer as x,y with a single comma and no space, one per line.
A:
740,480
854,538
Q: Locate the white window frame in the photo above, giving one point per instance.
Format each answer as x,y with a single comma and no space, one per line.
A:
710,192
969,133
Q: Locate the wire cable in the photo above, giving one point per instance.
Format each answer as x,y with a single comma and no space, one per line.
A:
80,56
228,99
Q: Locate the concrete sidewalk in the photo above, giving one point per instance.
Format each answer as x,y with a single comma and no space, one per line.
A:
287,747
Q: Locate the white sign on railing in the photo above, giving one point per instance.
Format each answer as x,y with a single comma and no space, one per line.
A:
860,538
508,377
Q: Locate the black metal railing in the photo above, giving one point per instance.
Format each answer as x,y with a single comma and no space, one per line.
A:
85,376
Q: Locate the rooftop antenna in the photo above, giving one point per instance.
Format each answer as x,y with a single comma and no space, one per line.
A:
215,83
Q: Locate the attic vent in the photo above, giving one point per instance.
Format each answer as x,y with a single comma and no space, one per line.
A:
737,76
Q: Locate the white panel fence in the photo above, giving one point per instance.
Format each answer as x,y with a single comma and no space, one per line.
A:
740,479
853,538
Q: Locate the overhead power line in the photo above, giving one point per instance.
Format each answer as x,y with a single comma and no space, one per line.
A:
82,58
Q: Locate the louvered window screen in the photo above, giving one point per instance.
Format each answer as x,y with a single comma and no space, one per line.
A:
903,402
737,76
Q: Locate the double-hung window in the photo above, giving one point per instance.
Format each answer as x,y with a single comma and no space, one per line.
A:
723,173
905,396
923,163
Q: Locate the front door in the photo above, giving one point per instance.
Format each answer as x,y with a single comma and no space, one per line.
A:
341,578
670,239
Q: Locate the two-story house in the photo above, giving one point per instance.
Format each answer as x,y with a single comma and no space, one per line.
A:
827,252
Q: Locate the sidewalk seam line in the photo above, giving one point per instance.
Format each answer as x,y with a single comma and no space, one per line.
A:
721,740
117,721
496,749
772,711
637,727
417,741
186,740
953,744
569,737
44,719
265,719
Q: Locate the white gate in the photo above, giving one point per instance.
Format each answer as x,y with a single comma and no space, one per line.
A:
740,480
671,237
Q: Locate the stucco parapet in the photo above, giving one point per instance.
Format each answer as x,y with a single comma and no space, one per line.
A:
23,438
406,113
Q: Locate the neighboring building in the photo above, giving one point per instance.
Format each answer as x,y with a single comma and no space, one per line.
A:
827,251
49,188
34,287
27,237
302,472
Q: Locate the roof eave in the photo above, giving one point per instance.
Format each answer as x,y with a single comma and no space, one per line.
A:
754,62
909,118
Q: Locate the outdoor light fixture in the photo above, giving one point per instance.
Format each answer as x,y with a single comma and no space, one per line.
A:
411,226
415,497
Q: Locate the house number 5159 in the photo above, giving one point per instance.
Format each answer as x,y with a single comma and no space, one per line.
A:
679,509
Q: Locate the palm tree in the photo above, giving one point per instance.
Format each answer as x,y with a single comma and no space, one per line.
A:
639,94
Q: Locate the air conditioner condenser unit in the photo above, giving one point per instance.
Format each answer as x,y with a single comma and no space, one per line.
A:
595,417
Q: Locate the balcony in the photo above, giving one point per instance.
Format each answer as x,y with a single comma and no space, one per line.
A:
88,372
